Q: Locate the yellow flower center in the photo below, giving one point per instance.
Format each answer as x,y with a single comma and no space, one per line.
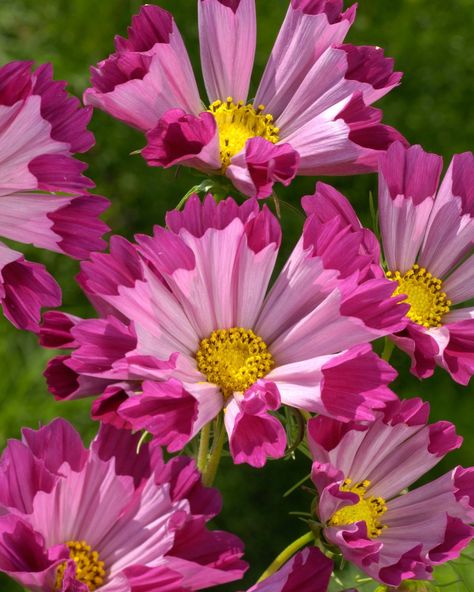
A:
237,123
368,509
428,303
89,569
233,359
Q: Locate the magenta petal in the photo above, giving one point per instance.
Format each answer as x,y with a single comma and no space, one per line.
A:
149,74
57,172
410,172
183,138
459,353
64,383
185,483
79,226
23,555
307,570
206,558
410,565
166,410
106,407
56,443
55,331
255,434
26,288
456,538
69,582
197,217
101,343
368,64
262,164
145,579
355,384
21,477
443,438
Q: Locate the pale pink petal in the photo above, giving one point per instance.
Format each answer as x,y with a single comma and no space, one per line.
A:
308,30
227,36
347,139
450,232
339,323
149,74
40,128
407,186
62,224
144,532
300,288
460,284
85,504
336,76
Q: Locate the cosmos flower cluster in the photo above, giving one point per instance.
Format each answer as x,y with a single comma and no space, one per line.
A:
202,343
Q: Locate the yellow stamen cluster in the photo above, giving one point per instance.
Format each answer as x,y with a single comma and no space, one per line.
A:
368,509
89,569
233,359
428,303
237,123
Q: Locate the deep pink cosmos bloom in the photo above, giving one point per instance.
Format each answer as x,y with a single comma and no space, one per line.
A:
188,330
41,127
308,570
311,114
428,238
360,470
107,518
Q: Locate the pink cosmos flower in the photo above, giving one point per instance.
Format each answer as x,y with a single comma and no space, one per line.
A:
308,570
311,114
187,330
428,237
40,129
107,518
360,470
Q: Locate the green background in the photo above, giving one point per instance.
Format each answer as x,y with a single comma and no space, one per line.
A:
431,41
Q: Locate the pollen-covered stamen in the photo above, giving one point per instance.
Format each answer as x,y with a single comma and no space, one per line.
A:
233,359
237,123
90,570
368,509
428,303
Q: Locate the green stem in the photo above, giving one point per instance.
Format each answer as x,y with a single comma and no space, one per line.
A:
388,349
212,465
286,554
203,447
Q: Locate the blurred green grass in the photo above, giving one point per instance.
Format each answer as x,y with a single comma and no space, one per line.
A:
431,41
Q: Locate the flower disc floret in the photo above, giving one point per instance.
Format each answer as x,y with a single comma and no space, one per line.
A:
428,303
368,509
237,123
90,570
234,359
